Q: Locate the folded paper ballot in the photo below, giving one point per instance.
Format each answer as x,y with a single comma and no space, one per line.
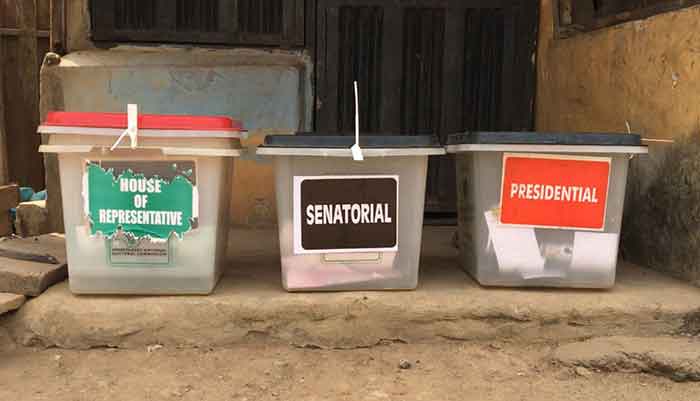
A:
328,275
517,251
328,270
594,252
516,248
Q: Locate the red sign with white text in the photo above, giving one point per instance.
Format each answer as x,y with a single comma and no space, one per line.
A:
554,191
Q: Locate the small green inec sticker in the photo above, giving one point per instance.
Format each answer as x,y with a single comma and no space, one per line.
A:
143,199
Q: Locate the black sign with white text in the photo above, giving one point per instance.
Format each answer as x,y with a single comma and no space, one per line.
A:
345,213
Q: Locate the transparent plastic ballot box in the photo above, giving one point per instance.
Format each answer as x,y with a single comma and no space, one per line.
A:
346,224
541,209
145,199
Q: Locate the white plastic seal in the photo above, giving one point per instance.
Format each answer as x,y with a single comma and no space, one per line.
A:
356,150
132,128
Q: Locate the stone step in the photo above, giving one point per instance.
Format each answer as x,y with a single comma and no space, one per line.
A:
250,304
29,277
10,302
32,218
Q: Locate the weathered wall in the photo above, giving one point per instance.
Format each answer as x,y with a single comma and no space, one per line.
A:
77,26
267,90
646,74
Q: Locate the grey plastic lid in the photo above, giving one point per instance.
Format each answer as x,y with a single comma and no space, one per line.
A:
545,138
304,140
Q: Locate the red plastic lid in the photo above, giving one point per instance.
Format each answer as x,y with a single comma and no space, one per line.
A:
145,121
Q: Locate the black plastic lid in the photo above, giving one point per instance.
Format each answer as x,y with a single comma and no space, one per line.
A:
544,138
316,140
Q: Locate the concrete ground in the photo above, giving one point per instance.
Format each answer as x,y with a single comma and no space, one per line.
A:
460,371
250,305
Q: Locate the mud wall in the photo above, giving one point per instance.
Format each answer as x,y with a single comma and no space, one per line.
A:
644,75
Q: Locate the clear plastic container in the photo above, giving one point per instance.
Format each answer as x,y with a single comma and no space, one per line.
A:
548,234
398,162
198,150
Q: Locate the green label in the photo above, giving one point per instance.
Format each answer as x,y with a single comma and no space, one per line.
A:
153,199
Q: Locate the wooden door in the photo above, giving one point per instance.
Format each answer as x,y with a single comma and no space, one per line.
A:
426,65
28,29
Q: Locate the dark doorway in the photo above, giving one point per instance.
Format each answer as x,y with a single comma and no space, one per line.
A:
28,29
439,65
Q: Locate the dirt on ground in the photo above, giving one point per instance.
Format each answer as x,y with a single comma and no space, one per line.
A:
393,371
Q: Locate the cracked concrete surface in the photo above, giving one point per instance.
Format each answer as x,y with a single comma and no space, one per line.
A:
677,358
